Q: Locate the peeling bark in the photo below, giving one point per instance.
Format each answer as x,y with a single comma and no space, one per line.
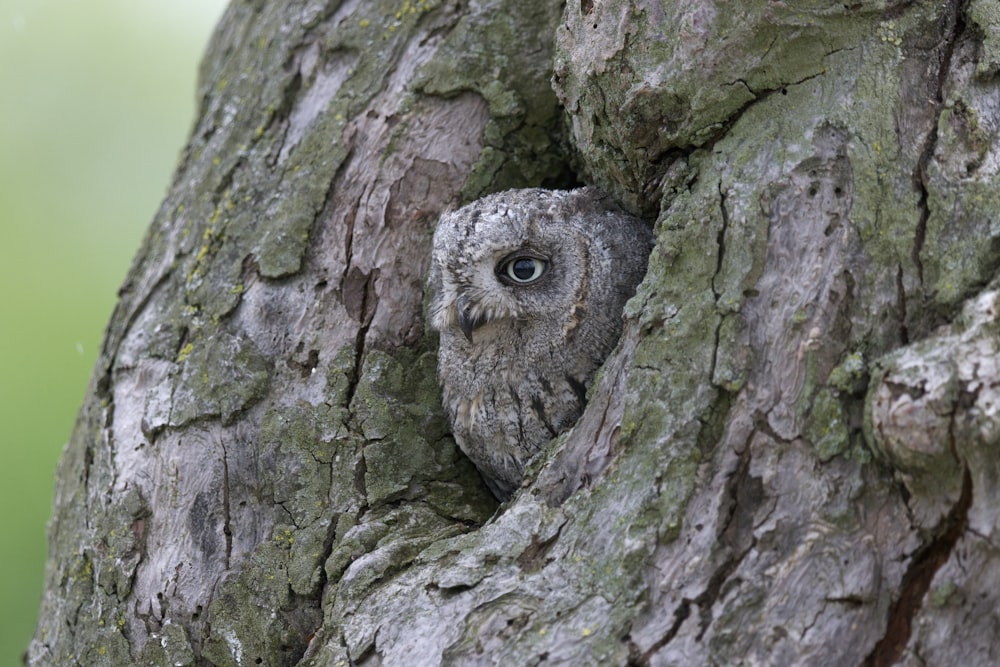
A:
787,460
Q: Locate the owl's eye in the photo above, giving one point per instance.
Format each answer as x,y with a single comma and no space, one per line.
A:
522,269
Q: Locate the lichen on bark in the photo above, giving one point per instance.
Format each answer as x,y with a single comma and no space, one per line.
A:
261,470
265,393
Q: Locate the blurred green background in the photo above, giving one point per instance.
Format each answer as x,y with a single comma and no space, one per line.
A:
96,100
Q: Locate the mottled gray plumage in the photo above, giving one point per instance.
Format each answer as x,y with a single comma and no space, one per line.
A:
528,288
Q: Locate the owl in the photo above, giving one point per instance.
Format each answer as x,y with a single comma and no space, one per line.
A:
528,290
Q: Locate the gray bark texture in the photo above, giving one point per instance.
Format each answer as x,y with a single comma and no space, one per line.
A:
786,461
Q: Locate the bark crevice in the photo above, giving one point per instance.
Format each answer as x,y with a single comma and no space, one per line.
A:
954,29
924,564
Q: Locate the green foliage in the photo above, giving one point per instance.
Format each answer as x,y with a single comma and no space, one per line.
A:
97,101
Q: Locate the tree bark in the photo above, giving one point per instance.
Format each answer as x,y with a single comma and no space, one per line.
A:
787,460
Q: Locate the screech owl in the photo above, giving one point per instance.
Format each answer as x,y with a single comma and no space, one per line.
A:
528,290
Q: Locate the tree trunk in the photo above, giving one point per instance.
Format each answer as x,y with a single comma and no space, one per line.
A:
785,461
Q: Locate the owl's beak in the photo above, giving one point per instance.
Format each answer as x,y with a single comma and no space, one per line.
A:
466,322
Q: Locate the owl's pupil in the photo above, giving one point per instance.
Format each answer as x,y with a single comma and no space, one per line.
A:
524,269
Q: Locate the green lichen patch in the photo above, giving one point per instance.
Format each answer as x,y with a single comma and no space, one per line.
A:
732,358
944,595
314,433
308,549
523,136
398,389
315,461
631,115
396,406
985,15
170,647
850,376
827,429
220,376
282,241
390,467
963,239
237,636
124,528
461,498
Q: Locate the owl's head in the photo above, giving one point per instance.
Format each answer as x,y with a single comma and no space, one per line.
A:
510,258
